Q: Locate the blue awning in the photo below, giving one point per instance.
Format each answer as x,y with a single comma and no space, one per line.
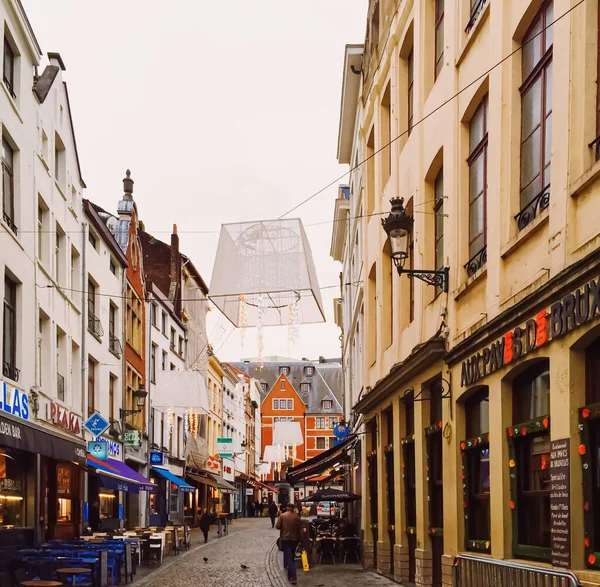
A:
183,486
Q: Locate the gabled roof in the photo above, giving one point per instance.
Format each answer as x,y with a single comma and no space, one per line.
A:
93,213
326,380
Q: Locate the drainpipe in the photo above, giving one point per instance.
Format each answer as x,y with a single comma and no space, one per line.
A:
84,362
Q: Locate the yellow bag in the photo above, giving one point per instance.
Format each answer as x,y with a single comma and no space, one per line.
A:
305,561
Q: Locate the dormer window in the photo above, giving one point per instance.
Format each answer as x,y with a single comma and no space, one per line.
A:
305,387
309,371
263,384
284,371
327,404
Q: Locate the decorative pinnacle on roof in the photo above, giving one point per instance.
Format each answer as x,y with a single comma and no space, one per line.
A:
128,186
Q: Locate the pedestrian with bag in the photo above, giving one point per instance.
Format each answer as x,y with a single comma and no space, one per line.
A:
273,513
289,526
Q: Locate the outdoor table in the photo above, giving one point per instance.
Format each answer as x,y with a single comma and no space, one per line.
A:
74,571
41,583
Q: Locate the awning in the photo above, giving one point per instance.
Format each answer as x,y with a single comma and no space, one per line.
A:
261,485
117,475
181,484
203,480
326,460
223,485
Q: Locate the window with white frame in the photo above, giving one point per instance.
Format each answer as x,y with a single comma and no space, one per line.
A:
290,404
321,442
327,404
333,423
305,387
320,422
309,370
276,404
284,370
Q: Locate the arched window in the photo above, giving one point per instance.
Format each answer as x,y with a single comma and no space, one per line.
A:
529,449
476,466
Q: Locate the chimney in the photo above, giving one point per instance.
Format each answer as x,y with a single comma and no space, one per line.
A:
175,273
321,359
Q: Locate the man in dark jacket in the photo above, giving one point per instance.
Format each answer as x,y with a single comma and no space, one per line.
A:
273,513
205,524
289,526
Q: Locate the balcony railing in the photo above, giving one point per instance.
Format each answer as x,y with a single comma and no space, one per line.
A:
10,222
531,210
60,387
476,10
115,345
10,371
476,262
94,325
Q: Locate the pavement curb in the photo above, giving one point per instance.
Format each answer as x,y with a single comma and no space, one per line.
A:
175,559
272,566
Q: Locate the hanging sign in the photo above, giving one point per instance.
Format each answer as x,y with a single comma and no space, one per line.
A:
98,449
132,438
225,447
560,503
157,458
249,491
96,425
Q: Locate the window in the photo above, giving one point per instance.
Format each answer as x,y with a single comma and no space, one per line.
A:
531,455
386,135
276,404
165,360
178,436
41,216
153,311
284,370
9,324
8,185
320,442
134,326
65,490
282,385
91,394
13,488
536,111
477,161
305,387
94,325
309,371
290,404
411,261
59,161
59,236
410,89
173,368
180,346
153,364
320,422
438,209
75,272
9,67
111,397
61,364
327,404
370,171
439,36
172,339
476,461
164,323
333,422
112,319
263,384
93,240
112,267
331,441
134,381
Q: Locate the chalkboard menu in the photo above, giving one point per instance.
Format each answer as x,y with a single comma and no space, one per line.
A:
560,501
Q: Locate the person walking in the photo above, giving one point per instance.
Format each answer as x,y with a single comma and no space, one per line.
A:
273,513
289,526
205,524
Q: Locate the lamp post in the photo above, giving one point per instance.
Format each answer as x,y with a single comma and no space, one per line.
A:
398,226
139,395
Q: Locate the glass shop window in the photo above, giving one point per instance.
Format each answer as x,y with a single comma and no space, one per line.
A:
64,491
108,503
12,491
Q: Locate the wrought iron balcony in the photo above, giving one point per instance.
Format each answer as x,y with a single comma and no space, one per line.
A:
94,325
476,10
115,345
476,262
10,222
531,210
10,371
60,387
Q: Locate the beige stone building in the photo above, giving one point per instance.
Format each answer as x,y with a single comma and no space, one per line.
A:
468,394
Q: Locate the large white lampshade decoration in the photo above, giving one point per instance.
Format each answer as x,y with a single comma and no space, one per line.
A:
274,454
288,434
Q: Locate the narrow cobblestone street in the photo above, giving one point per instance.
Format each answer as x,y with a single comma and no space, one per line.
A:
251,543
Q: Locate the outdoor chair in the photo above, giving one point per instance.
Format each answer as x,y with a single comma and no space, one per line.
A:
155,551
351,547
326,548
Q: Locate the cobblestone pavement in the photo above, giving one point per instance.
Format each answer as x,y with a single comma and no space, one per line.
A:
251,542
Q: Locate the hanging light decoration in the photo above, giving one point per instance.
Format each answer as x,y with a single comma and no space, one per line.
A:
243,318
186,423
171,420
259,327
293,325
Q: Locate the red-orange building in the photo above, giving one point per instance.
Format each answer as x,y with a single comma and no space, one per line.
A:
311,393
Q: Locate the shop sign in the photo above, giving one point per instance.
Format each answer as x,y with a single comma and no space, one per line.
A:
63,418
560,503
11,485
249,491
132,438
13,401
213,464
98,449
113,448
574,310
228,470
156,458
225,447
96,425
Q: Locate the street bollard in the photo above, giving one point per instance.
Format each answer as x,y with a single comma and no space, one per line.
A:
226,520
219,528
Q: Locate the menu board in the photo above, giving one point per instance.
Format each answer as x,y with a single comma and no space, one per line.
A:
560,499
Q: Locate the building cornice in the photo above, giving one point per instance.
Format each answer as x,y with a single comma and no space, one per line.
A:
422,357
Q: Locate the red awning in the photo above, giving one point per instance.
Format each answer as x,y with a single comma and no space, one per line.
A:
262,485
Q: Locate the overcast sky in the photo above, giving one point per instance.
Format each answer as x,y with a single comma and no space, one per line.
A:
222,115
